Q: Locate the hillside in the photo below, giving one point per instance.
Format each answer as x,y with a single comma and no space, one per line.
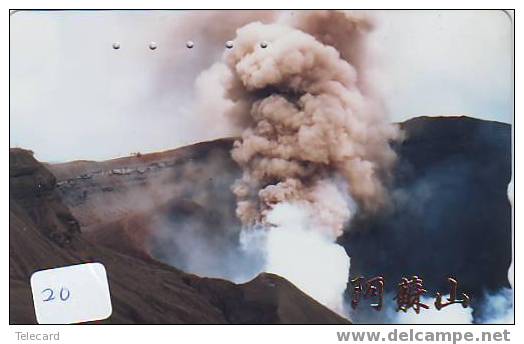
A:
44,234
448,213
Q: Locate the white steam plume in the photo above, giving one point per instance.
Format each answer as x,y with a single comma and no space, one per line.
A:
314,143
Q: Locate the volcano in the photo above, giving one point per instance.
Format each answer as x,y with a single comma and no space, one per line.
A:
448,215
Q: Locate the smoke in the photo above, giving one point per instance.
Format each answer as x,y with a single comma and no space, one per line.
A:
55,49
305,120
314,148
499,308
495,308
314,145
452,314
293,247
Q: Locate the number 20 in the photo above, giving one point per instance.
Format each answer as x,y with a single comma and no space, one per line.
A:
64,294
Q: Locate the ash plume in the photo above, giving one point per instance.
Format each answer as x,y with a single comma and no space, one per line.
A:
315,140
306,120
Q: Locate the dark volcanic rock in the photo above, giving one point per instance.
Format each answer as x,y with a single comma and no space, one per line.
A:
449,216
44,234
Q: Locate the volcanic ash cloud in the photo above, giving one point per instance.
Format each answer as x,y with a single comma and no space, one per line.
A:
314,146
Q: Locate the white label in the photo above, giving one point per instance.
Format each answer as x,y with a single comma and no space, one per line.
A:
71,294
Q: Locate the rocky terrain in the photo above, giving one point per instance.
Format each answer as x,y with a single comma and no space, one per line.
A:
448,216
45,234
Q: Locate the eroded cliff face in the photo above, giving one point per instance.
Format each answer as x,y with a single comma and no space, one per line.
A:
32,187
44,234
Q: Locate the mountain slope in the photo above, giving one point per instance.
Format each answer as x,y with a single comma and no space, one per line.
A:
448,215
44,234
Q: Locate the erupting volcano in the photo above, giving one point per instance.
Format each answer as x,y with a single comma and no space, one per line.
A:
307,174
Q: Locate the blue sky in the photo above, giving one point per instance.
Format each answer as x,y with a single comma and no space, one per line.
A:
74,97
